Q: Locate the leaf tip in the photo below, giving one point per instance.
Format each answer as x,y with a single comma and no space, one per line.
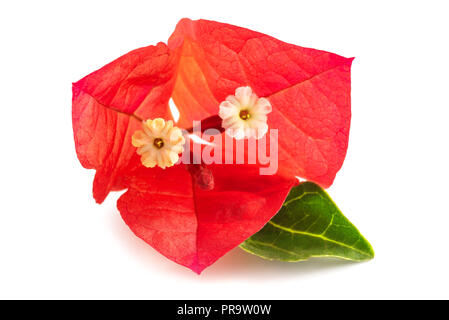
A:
371,252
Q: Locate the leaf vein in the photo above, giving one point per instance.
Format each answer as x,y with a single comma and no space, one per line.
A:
317,236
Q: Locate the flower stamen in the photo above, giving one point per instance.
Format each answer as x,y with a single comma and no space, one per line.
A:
158,143
244,115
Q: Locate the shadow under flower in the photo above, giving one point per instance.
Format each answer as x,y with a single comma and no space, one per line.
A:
235,264
241,264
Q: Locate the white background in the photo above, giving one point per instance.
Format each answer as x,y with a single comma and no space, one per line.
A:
55,242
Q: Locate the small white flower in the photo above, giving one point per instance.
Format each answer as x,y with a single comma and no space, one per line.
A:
159,143
245,115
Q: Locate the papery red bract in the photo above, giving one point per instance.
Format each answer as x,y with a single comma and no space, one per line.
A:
107,106
192,226
203,63
309,90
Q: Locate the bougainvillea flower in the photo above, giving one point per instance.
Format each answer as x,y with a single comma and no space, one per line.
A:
193,226
158,143
245,115
193,214
308,89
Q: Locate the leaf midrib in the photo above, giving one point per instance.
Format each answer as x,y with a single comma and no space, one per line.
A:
317,236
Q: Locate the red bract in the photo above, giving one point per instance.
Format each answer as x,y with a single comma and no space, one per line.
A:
107,107
203,63
308,89
193,226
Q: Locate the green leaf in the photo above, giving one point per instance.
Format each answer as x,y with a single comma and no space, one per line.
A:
309,224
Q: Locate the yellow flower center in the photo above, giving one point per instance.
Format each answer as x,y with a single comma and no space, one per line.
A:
158,143
244,115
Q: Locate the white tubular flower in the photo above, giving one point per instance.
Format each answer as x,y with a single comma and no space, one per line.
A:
159,143
245,115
